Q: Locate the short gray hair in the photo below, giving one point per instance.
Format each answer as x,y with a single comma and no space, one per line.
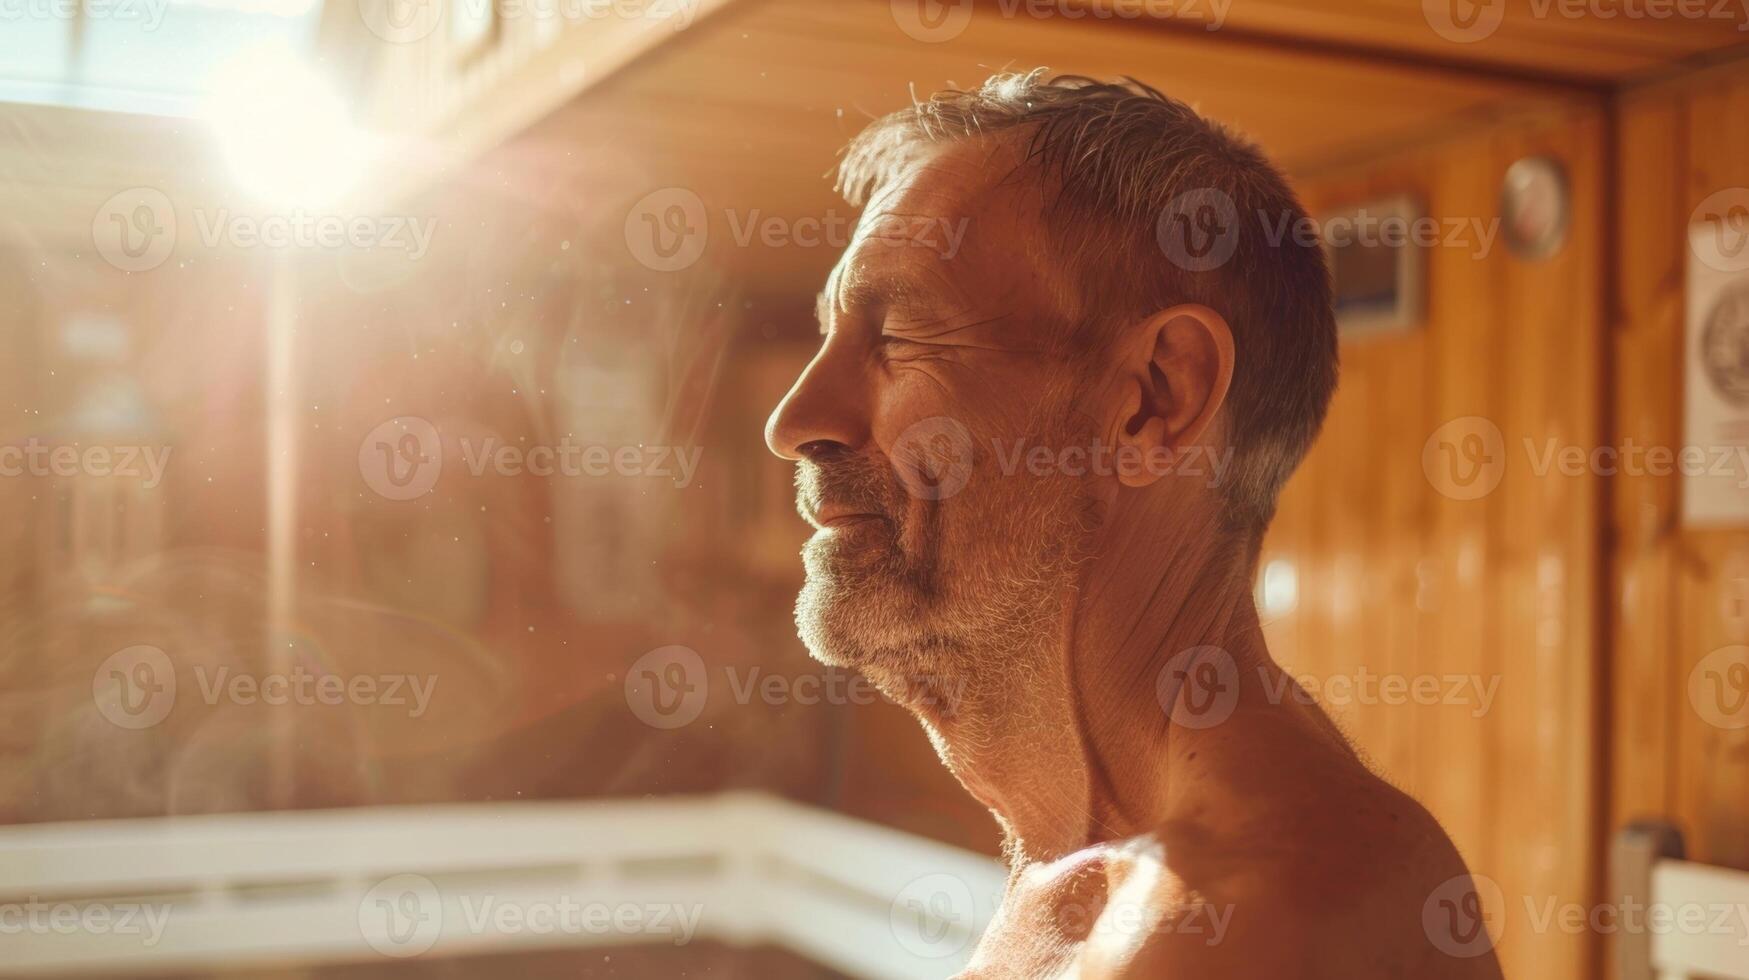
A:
1121,157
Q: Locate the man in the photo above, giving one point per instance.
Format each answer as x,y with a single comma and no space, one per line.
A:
1066,370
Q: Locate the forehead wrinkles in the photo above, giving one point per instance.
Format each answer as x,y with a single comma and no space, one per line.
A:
955,227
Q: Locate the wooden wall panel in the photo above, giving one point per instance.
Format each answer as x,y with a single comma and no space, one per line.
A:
1678,594
1399,580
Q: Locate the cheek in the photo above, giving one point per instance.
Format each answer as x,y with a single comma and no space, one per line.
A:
956,430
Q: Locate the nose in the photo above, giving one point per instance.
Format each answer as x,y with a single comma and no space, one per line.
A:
825,406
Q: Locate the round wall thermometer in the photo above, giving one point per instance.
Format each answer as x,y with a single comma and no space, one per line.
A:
1534,207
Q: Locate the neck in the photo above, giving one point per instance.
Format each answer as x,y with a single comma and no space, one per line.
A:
1078,750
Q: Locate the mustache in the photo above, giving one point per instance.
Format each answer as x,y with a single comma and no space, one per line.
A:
841,477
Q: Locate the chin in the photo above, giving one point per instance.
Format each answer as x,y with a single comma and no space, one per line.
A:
863,608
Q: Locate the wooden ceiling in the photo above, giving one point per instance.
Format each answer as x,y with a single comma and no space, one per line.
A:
1598,41
749,107
748,104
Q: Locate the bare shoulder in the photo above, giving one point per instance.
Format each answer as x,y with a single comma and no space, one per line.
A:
1348,884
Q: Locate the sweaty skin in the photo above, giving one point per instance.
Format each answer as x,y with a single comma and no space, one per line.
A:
1169,812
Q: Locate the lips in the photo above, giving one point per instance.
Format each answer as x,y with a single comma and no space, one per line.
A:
850,520
839,515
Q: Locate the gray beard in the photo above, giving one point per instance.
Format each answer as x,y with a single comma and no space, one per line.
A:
932,630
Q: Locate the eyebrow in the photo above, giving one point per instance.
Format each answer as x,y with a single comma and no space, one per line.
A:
865,292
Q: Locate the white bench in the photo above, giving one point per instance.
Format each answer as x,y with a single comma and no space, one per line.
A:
359,885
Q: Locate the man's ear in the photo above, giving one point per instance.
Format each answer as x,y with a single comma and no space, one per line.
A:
1175,377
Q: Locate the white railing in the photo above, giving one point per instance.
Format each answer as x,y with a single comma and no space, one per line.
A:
182,893
1687,919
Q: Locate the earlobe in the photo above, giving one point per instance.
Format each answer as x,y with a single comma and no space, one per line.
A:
1178,372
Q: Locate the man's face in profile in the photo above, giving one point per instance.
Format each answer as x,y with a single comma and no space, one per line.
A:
936,544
